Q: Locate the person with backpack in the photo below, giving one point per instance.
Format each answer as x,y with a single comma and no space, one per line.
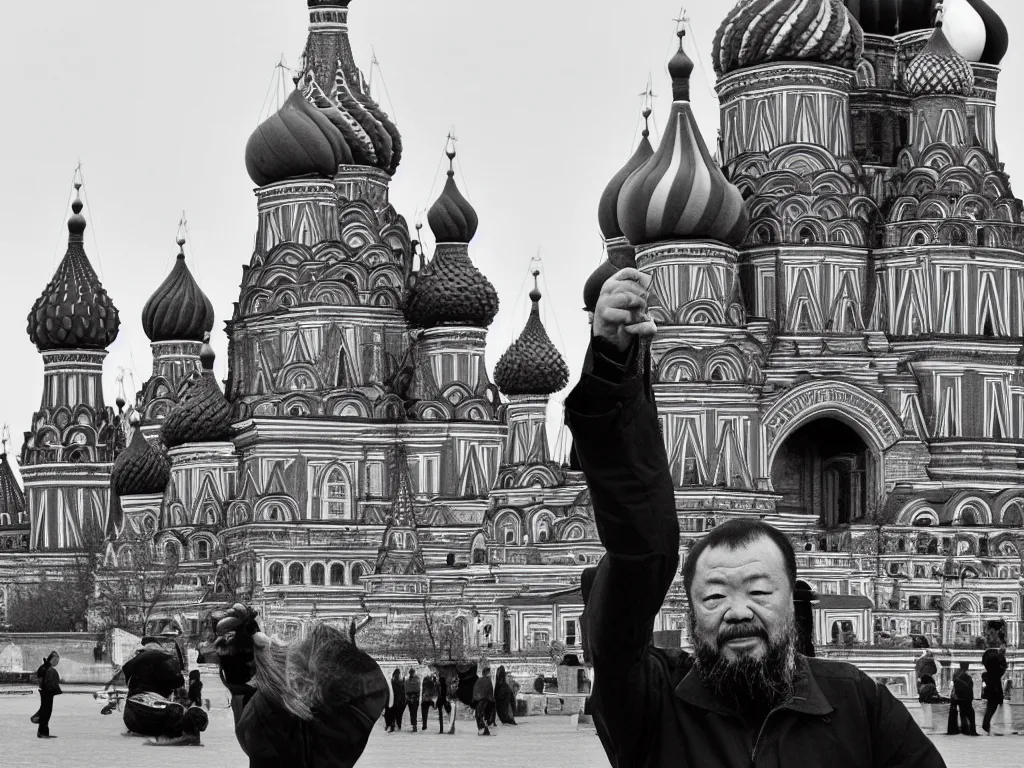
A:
49,687
412,696
962,703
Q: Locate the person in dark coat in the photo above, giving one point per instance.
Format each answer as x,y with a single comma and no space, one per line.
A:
195,688
428,698
962,702
445,693
504,700
49,687
746,698
412,696
483,699
994,661
397,700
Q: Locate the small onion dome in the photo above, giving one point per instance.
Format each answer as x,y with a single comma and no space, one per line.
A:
974,30
938,70
450,290
203,415
451,218
141,469
607,209
680,193
592,288
74,311
296,141
532,365
759,31
178,310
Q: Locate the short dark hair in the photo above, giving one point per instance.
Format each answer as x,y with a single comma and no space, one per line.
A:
735,534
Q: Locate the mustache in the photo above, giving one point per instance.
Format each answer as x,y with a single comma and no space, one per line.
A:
741,631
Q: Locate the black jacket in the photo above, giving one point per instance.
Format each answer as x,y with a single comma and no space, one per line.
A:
153,671
650,710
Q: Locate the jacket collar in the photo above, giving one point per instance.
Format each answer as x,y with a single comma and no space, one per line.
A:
807,698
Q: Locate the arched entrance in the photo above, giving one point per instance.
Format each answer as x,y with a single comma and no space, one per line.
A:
825,469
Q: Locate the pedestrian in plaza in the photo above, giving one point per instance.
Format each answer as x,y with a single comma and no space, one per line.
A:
40,672
446,691
483,701
195,688
412,696
428,698
504,699
746,697
994,661
396,702
962,703
928,694
49,687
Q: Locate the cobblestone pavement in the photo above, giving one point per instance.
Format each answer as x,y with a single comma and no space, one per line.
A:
86,739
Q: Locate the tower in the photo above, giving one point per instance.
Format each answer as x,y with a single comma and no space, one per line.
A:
67,455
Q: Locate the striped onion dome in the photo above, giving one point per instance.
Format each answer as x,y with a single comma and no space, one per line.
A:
680,193
141,469
203,415
607,209
938,70
532,365
759,31
74,311
178,310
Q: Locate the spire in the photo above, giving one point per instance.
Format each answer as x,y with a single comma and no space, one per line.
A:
12,498
399,550
680,67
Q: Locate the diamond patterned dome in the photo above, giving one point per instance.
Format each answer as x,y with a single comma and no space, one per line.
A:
532,365
141,469
203,415
939,70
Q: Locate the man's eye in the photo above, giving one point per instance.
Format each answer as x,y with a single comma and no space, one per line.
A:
710,598
760,593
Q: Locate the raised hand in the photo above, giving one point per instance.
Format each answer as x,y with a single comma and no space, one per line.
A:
621,313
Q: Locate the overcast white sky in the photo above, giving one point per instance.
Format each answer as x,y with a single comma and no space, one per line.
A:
157,100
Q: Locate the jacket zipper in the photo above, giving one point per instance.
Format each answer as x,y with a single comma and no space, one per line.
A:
757,742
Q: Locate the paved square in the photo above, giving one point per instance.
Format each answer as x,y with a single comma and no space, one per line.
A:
87,739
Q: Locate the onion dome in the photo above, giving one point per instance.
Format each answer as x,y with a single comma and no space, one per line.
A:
74,311
607,209
759,31
938,70
178,310
680,193
450,290
592,288
296,141
532,365
141,469
451,217
203,415
973,28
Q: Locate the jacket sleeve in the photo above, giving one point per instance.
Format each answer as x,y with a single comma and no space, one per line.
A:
897,739
616,434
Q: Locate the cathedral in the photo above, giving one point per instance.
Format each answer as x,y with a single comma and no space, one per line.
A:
838,281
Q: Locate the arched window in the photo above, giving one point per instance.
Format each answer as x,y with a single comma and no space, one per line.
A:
171,552
357,574
337,575
1013,517
806,236
969,517
479,551
296,574
211,514
919,239
336,502
316,575
202,550
276,574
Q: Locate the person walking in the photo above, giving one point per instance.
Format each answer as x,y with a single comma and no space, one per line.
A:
994,661
504,698
428,699
928,694
963,694
412,696
49,687
195,688
396,703
483,701
445,693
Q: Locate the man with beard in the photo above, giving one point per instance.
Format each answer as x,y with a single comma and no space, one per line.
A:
747,697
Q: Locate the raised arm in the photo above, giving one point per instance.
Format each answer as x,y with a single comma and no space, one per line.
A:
616,435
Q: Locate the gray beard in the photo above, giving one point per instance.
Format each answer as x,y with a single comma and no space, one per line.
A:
752,687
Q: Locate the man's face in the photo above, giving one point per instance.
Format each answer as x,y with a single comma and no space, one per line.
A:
741,614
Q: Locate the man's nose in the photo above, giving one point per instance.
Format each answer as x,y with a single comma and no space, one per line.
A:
738,611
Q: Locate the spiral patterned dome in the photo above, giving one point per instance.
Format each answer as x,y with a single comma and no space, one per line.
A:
759,31
532,365
450,290
680,193
973,28
451,218
592,288
296,141
607,208
938,70
141,469
74,311
203,415
178,310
